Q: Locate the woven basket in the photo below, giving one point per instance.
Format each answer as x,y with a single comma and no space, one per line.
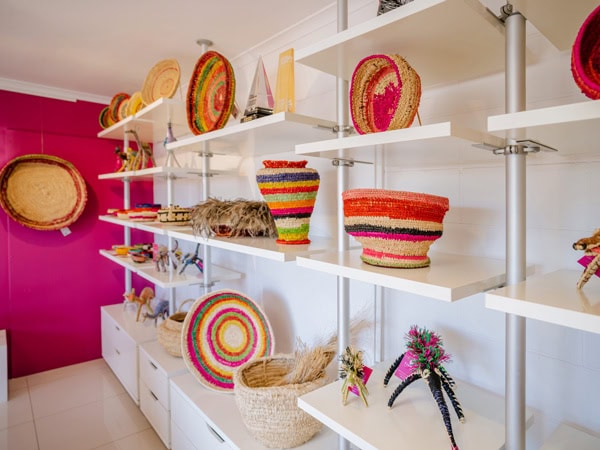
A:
169,331
161,81
384,94
270,412
290,189
395,228
585,56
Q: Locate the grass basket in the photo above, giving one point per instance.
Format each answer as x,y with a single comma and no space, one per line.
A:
169,331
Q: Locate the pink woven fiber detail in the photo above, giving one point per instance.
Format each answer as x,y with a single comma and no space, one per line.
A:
584,53
399,237
286,211
380,255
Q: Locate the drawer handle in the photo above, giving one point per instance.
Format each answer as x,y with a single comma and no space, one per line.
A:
117,328
117,351
153,365
154,396
215,434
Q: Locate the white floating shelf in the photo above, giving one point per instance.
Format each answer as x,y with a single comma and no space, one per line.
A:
155,172
448,278
151,122
558,20
259,246
445,41
566,128
569,438
552,298
444,136
220,411
124,315
414,421
167,280
270,134
152,227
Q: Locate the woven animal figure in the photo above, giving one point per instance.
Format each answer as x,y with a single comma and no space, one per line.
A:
145,156
352,371
192,259
591,247
163,257
144,299
427,355
161,310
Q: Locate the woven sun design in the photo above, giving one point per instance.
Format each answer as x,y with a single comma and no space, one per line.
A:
161,81
585,56
223,330
211,93
395,228
290,190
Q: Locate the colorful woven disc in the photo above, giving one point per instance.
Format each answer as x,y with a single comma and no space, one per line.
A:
115,105
211,93
223,330
585,56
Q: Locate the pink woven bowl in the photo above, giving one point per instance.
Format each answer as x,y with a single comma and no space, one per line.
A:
585,56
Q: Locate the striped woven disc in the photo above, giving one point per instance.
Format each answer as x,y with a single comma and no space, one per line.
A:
223,330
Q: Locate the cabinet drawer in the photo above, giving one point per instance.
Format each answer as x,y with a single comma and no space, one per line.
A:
179,441
156,414
191,423
155,378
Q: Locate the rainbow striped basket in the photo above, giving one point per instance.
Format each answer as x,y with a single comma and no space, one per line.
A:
290,190
395,228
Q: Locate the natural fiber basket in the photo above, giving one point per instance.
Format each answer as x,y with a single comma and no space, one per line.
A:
169,331
395,228
270,410
585,56
161,81
384,94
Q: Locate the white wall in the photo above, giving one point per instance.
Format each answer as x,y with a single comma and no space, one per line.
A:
563,365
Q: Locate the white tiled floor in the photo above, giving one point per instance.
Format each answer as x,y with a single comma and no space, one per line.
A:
79,407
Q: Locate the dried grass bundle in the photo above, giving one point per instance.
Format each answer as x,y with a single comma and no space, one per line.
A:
233,218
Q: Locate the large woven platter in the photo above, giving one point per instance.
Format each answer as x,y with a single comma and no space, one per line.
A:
42,192
585,56
115,106
221,331
162,81
211,93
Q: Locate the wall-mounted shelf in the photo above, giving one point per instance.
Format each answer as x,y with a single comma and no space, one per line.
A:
155,172
568,438
445,41
566,128
167,280
220,412
443,138
552,298
559,21
449,278
414,421
151,122
270,134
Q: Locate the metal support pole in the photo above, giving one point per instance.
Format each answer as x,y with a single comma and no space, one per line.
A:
343,284
515,233
127,205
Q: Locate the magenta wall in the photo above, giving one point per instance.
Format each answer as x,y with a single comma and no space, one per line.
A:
52,287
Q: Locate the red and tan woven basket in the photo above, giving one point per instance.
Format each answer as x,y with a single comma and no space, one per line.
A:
395,228
384,94
585,56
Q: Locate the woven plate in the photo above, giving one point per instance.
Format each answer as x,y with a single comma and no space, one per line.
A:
223,330
384,94
211,93
135,103
42,192
115,105
162,81
104,117
585,56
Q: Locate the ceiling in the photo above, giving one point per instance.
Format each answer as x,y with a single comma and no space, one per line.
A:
104,47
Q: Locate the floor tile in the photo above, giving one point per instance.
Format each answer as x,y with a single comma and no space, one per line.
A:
17,410
92,425
17,383
147,440
19,437
74,389
62,372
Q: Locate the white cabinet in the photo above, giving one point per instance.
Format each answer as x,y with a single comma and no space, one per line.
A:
121,336
156,368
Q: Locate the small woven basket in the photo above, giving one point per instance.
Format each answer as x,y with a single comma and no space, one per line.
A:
169,331
395,228
585,56
385,93
269,410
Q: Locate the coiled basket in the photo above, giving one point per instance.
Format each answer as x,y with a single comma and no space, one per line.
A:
268,408
585,56
395,228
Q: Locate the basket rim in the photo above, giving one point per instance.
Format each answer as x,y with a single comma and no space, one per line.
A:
578,66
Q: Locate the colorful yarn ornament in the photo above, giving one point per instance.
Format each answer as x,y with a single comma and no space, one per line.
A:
290,190
221,331
384,94
585,56
395,228
211,93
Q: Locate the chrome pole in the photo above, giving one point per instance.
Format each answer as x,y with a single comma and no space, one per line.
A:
515,232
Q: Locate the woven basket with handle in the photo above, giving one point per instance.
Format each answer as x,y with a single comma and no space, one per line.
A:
169,331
